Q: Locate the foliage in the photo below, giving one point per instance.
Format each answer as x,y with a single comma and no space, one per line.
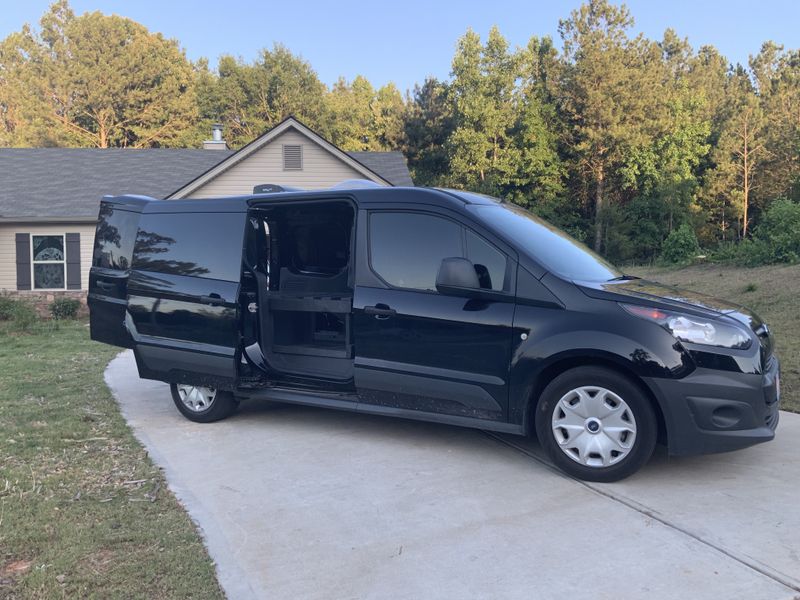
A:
97,81
65,308
428,124
680,246
248,99
363,118
7,305
615,137
20,313
779,231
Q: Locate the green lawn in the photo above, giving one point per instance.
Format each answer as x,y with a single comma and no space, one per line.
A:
83,511
773,292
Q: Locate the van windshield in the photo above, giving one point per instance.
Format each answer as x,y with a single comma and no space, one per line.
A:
556,251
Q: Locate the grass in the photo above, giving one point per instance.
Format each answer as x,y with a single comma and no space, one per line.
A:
771,291
83,511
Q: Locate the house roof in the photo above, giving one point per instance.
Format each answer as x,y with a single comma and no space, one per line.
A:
389,165
69,182
291,123
61,184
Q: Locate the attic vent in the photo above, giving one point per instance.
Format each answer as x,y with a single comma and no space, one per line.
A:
292,157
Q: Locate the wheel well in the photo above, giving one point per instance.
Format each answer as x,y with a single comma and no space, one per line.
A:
552,371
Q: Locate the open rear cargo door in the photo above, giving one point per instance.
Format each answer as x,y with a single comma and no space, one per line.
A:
183,292
117,225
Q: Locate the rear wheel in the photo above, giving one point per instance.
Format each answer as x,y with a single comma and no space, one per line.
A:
596,424
202,404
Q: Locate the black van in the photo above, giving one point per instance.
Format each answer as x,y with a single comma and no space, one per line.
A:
429,304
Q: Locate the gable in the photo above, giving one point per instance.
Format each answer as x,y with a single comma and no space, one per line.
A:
266,165
320,169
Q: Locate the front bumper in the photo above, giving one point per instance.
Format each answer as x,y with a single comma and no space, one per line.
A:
717,411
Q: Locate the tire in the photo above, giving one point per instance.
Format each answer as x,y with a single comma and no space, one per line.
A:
202,404
596,424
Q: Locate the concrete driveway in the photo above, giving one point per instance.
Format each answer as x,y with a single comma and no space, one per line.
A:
299,502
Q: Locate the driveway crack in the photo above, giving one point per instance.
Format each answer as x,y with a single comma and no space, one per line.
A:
776,576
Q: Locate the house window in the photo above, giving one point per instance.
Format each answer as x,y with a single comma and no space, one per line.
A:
48,262
292,157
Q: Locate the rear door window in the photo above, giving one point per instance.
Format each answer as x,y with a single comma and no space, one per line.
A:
114,238
205,245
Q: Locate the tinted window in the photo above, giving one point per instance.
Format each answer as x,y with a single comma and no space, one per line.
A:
489,262
552,248
406,249
199,245
113,241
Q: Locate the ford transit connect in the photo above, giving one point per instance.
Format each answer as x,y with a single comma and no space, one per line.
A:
428,304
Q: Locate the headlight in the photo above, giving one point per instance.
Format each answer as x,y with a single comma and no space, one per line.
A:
693,329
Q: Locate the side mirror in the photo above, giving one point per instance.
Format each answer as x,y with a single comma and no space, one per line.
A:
457,277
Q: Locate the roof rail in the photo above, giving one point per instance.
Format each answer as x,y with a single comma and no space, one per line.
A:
274,188
352,184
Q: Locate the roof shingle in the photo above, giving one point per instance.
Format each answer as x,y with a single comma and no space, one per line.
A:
69,182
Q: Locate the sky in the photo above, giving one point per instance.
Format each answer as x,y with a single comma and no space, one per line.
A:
406,41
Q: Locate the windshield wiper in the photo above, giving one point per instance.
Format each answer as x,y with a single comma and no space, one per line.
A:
624,278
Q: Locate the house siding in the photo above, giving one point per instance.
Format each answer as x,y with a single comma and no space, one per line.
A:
8,252
320,169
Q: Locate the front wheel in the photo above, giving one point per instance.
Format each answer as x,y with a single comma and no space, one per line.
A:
596,424
202,404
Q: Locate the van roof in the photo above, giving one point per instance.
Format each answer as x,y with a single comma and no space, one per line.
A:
434,196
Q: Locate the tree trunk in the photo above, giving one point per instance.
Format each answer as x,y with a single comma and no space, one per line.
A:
598,209
746,190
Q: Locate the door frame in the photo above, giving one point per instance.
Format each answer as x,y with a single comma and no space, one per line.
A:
440,378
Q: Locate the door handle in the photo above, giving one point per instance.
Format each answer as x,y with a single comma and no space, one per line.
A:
380,311
104,285
211,299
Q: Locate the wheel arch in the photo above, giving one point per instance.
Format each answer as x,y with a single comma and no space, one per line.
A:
565,363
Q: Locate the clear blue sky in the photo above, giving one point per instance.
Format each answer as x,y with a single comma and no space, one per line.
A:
405,41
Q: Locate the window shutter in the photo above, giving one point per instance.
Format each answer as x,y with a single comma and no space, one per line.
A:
292,157
23,261
73,248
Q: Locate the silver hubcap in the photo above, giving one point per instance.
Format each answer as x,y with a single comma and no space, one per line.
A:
196,398
594,426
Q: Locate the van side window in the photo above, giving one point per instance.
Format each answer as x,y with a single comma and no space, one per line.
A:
489,262
406,249
113,242
191,244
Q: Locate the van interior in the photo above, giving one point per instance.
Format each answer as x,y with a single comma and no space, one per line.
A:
299,256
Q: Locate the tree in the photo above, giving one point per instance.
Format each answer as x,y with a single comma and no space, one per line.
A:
428,123
481,150
776,75
248,99
363,118
97,81
537,177
609,96
740,150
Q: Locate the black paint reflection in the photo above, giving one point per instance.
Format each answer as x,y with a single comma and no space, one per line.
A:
150,249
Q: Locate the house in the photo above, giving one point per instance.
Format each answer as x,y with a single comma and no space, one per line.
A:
49,197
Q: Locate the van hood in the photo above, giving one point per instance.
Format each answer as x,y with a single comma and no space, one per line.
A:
662,294
669,297
675,298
